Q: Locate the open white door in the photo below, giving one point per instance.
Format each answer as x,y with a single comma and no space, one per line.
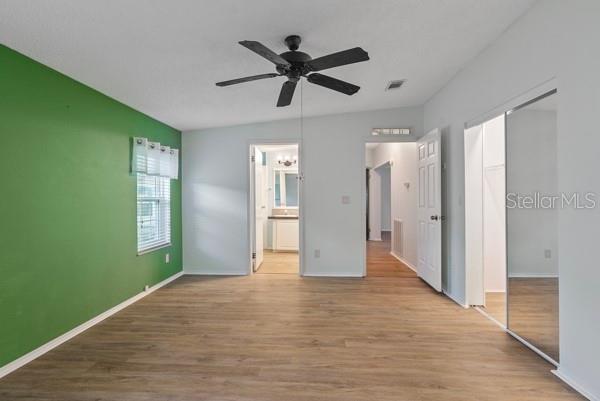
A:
430,217
260,204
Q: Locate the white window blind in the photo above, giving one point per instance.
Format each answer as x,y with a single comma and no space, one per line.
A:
153,212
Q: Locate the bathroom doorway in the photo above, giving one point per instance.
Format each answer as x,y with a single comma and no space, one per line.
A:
275,206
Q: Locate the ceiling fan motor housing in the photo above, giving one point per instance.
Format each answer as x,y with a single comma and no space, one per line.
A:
297,59
293,42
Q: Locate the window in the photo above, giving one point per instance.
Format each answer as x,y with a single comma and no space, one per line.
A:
153,212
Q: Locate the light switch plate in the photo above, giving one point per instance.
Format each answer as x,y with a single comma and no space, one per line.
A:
167,258
345,200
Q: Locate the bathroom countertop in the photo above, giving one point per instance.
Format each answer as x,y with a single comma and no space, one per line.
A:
283,217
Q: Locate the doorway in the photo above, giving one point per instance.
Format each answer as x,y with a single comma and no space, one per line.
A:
391,207
275,206
415,217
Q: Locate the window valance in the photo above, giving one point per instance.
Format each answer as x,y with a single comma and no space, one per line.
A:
152,158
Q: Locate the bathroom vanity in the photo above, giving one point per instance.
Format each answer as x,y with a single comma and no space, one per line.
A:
285,232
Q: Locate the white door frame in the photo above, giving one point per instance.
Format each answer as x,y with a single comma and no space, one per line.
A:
363,186
251,198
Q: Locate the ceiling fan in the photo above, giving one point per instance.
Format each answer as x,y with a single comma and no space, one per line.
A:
294,65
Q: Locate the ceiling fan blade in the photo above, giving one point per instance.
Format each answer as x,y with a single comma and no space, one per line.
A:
247,79
286,94
349,56
333,83
265,52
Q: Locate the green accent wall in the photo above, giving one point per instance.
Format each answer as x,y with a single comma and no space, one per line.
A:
68,205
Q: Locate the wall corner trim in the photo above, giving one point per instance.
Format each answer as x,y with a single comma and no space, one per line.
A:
41,350
567,379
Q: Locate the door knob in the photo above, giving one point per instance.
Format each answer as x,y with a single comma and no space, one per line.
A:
434,217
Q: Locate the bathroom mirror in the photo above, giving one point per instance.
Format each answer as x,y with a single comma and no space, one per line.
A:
532,224
286,188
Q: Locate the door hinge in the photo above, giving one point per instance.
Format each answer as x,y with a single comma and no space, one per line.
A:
252,158
253,255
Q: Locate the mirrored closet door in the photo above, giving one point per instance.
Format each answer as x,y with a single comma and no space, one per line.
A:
532,223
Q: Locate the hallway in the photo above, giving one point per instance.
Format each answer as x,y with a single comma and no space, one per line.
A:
380,263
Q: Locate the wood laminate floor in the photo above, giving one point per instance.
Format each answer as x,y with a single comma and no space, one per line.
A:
533,312
280,337
279,263
380,263
495,306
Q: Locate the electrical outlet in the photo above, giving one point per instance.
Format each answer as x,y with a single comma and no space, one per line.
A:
547,253
317,253
345,200
167,258
146,287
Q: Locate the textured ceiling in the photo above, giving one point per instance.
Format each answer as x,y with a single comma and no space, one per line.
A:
163,57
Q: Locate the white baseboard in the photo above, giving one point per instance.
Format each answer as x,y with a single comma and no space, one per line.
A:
375,239
567,379
192,271
404,261
332,274
533,275
41,350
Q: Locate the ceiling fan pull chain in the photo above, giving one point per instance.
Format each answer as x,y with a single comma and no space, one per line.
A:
301,173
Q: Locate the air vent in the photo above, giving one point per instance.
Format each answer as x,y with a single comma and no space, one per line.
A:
395,84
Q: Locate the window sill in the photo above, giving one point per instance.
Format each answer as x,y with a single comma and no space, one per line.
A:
154,248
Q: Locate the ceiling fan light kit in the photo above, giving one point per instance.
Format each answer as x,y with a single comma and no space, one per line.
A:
295,65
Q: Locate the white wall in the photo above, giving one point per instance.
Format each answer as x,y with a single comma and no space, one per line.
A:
531,161
386,198
369,157
380,199
554,40
215,211
403,158
375,205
